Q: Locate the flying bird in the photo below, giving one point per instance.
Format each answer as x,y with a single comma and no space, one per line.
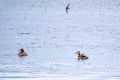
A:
67,7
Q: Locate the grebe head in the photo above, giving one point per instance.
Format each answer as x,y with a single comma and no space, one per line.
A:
21,50
78,52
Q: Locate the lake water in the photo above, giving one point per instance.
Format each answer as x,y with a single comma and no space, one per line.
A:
50,37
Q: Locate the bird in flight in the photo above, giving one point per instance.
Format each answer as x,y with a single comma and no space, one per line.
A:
67,7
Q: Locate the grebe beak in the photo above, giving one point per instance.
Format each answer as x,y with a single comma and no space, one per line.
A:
76,53
19,50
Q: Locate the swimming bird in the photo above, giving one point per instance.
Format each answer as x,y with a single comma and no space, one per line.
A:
67,7
81,56
22,53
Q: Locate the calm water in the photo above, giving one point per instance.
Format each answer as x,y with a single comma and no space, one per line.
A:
51,39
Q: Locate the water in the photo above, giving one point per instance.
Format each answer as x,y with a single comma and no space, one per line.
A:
50,37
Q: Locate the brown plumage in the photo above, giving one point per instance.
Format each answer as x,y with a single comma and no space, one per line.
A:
22,53
81,56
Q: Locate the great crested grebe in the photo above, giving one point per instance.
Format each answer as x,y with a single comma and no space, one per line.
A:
81,56
22,53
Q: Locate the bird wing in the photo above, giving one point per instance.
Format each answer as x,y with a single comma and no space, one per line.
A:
68,5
